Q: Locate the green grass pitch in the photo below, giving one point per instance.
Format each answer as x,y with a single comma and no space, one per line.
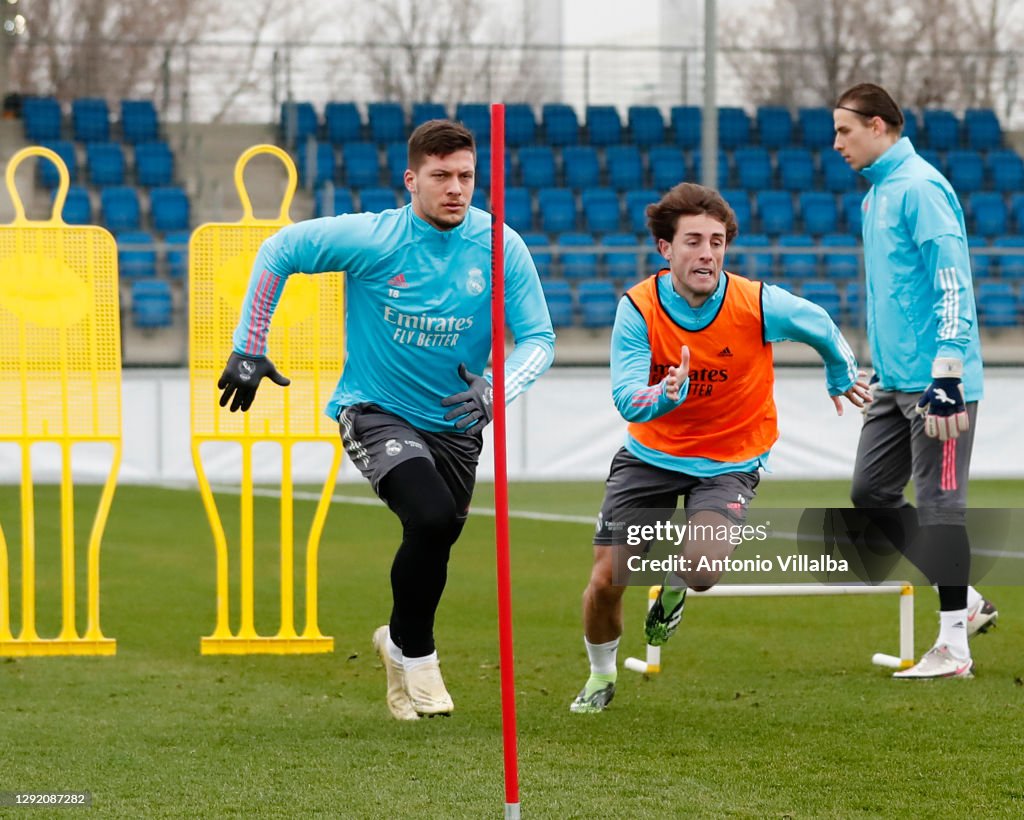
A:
765,707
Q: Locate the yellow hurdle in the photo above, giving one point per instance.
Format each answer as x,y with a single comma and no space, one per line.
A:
60,383
306,344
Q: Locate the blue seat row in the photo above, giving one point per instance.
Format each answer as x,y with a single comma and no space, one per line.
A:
43,119
107,163
644,125
121,208
140,255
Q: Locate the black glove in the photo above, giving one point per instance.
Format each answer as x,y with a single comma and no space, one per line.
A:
242,375
472,405
942,403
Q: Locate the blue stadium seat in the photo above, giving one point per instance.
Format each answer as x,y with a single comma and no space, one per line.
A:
478,200
774,211
42,119
982,129
47,171
818,212
667,166
796,169
139,121
966,170
981,261
774,126
176,243
911,125
520,124
637,201
561,125
154,163
797,265
817,128
837,176
655,261
298,122
425,111
753,167
686,126
840,265
601,211
604,127
518,209
396,155
152,305
537,166
333,201
377,199
739,201
852,206
941,129
343,122
119,205
625,166
169,209
542,259
1005,169
723,167
386,121
483,166
621,265
322,154
361,164
598,302
90,119
77,207
997,304
477,118
752,263
136,255
733,127
559,298
646,125
1017,210
580,166
988,214
576,264
1011,266
556,210
853,303
824,294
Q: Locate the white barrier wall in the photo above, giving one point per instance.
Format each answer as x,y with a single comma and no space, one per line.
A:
564,428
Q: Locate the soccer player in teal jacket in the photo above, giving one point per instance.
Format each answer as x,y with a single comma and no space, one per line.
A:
923,332
410,405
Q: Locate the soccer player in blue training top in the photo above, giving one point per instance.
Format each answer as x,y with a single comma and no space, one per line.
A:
923,333
692,374
410,403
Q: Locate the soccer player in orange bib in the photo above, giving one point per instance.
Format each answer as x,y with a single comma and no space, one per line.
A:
692,373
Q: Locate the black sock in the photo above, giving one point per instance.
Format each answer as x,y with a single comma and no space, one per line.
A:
431,524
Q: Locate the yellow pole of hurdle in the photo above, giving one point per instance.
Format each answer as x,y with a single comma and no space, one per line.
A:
59,322
221,258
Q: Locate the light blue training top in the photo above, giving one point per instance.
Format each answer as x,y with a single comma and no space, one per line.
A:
418,303
919,295
786,318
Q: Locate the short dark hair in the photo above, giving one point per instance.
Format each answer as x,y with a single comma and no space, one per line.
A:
689,199
868,100
438,138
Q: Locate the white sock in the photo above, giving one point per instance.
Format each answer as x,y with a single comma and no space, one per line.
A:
953,632
602,656
394,651
412,663
973,597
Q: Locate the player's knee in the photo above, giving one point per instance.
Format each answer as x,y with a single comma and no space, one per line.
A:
436,523
864,494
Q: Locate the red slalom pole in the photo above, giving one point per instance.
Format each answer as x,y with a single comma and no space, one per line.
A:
502,543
